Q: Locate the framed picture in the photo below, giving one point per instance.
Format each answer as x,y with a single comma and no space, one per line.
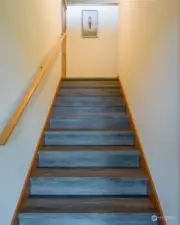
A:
89,23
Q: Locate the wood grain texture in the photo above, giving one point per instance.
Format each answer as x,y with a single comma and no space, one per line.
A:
90,122
87,219
125,138
89,172
75,110
57,204
109,205
85,101
11,124
89,158
89,181
83,186
144,163
90,91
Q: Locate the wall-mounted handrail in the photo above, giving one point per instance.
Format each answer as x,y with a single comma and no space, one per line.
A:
11,124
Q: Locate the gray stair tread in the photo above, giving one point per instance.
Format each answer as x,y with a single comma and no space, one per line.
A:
86,137
98,110
90,97
90,172
89,148
91,92
90,122
81,101
87,205
117,118
87,182
88,157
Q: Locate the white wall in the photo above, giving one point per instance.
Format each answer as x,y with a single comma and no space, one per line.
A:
92,57
28,31
149,69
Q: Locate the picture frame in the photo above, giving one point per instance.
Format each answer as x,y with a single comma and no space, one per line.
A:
89,23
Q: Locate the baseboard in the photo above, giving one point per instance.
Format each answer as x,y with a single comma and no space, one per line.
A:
144,163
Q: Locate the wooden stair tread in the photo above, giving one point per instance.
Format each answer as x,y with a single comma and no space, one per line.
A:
89,97
123,131
89,115
89,132
88,148
58,204
90,172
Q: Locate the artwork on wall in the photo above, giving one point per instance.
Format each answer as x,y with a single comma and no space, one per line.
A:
89,23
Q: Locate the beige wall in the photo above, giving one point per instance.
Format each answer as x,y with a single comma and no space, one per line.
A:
149,69
92,57
28,30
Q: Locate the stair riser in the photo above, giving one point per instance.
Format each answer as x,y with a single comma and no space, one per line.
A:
88,159
59,110
89,138
67,79
88,186
89,87
86,219
93,122
88,101
90,84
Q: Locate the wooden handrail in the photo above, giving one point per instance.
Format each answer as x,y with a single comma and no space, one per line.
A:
11,124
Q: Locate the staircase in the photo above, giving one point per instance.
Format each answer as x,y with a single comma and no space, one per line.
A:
88,170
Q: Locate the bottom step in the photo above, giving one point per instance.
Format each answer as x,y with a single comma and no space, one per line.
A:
88,219
88,211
